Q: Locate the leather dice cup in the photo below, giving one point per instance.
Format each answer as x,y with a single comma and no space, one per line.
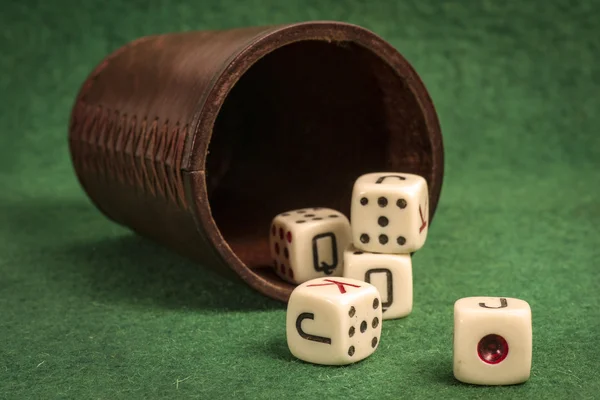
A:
196,140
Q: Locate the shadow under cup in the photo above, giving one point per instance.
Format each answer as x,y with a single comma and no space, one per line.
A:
197,140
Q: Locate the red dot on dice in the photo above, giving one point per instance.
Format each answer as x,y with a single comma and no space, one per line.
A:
282,269
280,233
276,248
492,349
291,273
289,237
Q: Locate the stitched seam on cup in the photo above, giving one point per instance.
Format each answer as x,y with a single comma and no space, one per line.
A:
120,147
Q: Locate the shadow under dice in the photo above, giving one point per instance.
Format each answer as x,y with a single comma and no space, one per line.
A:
492,340
309,243
390,212
391,274
333,321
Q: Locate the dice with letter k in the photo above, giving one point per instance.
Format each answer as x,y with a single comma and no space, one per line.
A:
334,321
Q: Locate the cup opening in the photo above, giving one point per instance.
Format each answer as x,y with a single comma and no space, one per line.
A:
297,129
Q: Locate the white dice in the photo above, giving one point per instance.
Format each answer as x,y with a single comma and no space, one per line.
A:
309,243
391,274
389,212
492,340
333,321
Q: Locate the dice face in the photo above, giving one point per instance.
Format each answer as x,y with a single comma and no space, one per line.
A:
390,212
309,243
492,340
391,274
333,321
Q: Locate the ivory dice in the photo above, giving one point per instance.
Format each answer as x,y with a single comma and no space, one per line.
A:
308,243
389,212
492,340
334,321
391,274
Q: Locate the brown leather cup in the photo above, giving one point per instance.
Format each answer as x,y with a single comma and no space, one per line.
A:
197,140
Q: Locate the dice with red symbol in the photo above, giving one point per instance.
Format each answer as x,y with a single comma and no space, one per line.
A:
309,243
492,340
389,212
334,321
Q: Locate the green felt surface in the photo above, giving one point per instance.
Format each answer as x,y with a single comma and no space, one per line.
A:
89,311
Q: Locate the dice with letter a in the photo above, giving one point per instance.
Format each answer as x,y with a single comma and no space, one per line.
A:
389,212
492,340
333,321
391,274
308,243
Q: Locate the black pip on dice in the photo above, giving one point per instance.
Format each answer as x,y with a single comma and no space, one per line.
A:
334,321
492,340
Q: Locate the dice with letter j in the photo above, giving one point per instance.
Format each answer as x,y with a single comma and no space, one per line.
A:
492,340
333,321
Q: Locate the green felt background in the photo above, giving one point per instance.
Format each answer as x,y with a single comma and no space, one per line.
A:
89,311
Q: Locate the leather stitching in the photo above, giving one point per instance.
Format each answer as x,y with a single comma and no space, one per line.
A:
144,155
